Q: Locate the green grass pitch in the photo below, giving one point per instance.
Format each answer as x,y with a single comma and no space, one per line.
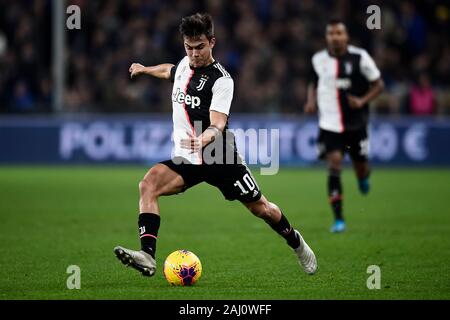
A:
53,217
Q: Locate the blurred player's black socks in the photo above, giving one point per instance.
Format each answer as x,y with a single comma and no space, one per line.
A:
148,232
284,228
335,193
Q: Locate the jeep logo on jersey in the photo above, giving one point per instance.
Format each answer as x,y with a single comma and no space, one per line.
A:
343,83
181,97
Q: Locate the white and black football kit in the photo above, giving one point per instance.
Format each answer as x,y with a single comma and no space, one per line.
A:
342,127
197,91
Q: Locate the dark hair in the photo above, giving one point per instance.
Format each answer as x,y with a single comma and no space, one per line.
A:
334,21
196,25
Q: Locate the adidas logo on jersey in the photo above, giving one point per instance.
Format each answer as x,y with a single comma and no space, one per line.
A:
189,100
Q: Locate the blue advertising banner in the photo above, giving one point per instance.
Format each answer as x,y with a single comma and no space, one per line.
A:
264,140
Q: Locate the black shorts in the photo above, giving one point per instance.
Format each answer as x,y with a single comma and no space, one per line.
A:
235,181
355,143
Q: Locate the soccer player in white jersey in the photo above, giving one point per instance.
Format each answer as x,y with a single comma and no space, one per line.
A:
201,99
344,79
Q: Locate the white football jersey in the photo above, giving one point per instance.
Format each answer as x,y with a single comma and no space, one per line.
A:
195,92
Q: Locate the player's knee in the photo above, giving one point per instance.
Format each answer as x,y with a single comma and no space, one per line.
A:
149,185
256,210
335,165
335,161
144,187
334,172
260,209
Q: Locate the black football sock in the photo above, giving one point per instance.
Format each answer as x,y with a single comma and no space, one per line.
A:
284,228
335,193
148,232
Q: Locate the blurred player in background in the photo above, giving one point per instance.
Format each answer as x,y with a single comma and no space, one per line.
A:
202,94
344,80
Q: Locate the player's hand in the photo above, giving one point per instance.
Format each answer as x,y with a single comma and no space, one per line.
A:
355,102
192,143
136,69
310,107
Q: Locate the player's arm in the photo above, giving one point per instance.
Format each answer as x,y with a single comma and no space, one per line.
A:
372,74
162,71
376,87
218,115
311,99
218,122
311,94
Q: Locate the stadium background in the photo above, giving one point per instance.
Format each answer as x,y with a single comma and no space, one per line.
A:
104,118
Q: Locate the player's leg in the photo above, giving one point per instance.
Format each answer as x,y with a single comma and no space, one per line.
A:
331,148
359,152
362,171
160,180
335,190
273,216
236,182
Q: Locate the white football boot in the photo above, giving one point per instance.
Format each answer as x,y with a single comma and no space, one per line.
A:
306,258
139,260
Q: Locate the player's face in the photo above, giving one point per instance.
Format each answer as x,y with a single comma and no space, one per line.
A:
337,37
199,50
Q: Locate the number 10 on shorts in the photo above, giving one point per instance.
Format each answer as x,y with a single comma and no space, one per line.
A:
249,183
